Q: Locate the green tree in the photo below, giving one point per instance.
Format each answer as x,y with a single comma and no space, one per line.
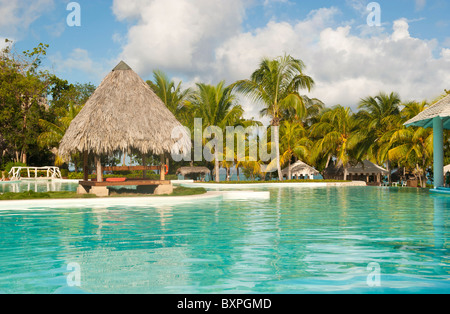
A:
379,115
23,92
294,142
411,147
276,84
54,132
337,135
66,102
173,96
217,107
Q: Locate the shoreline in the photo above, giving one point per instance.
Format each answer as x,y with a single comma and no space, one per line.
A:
268,184
106,201
226,192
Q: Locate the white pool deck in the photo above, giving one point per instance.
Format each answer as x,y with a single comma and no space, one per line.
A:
191,183
218,192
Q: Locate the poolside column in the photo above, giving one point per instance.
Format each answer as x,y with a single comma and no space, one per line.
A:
438,152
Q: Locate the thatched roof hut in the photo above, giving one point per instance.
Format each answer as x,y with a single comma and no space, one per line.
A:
360,171
193,172
123,115
299,168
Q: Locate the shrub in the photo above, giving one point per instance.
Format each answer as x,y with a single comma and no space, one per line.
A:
64,173
12,164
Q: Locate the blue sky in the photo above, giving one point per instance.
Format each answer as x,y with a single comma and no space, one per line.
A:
212,40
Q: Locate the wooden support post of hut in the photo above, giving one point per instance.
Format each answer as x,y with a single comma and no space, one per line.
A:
124,115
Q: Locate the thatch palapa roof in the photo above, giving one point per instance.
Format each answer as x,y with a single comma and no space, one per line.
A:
193,170
363,168
299,168
439,109
123,115
366,167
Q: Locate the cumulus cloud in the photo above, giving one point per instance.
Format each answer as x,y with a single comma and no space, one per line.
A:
17,15
79,61
202,40
420,4
177,35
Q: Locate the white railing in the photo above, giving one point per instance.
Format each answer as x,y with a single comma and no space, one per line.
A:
51,173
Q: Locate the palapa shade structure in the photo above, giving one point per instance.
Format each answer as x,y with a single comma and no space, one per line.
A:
123,115
437,117
360,171
299,168
193,171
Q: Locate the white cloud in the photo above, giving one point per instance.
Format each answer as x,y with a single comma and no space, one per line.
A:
345,66
359,6
446,42
79,61
420,4
202,40
18,15
401,30
177,35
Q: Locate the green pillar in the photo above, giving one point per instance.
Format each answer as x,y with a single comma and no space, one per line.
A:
438,152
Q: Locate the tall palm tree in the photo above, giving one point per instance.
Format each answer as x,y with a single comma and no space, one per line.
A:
379,115
276,84
337,136
216,105
174,97
313,107
293,143
238,159
411,147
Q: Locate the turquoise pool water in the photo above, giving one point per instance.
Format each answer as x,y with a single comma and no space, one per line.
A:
38,186
302,240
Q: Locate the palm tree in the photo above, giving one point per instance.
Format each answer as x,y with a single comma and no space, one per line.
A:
293,143
313,107
175,99
216,106
379,115
276,84
337,136
411,147
238,160
54,132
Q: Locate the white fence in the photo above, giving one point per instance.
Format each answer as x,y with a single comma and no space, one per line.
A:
51,173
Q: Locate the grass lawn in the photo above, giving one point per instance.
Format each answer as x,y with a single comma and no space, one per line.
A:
178,191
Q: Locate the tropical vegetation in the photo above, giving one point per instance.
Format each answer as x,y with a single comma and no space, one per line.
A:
36,108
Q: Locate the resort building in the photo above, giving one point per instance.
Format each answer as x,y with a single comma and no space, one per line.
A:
299,170
365,171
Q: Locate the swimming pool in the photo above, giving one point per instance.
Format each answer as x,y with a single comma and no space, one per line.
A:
38,186
301,240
